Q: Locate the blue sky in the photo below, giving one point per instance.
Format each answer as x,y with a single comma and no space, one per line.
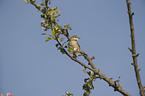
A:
29,66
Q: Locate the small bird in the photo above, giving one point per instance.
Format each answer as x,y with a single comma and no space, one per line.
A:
73,44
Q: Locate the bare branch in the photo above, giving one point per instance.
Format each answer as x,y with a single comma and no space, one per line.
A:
133,51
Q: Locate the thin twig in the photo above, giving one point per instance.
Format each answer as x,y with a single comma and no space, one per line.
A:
134,56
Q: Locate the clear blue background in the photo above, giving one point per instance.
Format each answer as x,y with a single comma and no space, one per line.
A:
29,66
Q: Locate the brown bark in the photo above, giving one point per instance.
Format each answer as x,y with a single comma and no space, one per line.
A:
134,55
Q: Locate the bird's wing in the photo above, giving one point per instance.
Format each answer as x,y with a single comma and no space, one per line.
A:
70,45
78,46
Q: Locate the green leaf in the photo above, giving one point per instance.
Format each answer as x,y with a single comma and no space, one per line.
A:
80,54
62,51
87,93
70,28
61,39
25,1
64,43
84,69
90,73
85,80
43,10
90,85
69,50
52,18
56,27
67,25
68,94
52,12
58,35
42,4
43,34
84,72
47,39
111,78
53,33
56,45
65,46
56,13
93,58
86,87
48,34
49,2
59,48
54,8
38,7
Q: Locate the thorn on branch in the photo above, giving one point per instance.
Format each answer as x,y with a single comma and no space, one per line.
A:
134,55
93,58
137,55
129,49
117,81
132,63
111,78
133,13
139,69
116,85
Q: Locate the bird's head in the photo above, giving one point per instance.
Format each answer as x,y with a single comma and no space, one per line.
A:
74,38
